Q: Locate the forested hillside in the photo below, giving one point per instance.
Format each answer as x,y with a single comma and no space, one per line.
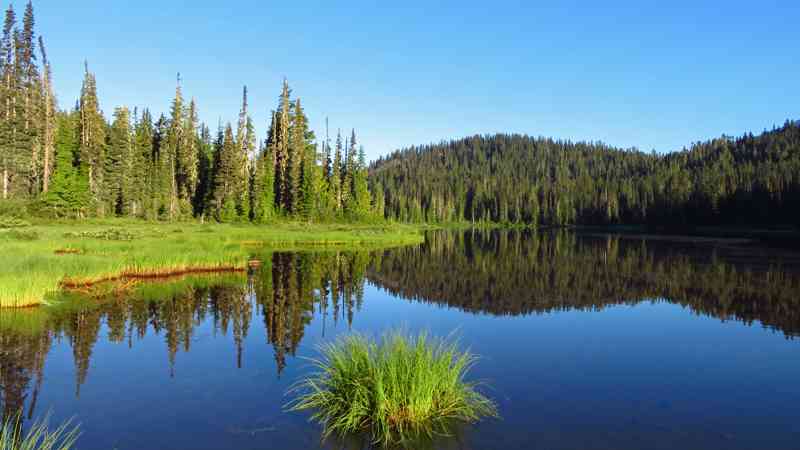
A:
80,163
750,180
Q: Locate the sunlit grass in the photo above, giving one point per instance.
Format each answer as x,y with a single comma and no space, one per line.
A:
398,389
81,253
38,436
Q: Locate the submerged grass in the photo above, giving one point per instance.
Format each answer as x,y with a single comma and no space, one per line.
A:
38,437
36,260
398,390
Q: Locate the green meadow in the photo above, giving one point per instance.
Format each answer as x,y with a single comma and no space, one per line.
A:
40,259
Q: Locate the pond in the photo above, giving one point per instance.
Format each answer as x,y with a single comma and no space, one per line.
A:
586,342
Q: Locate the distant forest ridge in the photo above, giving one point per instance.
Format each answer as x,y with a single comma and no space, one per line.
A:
511,178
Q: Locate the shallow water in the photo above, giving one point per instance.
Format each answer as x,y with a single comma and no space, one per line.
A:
587,342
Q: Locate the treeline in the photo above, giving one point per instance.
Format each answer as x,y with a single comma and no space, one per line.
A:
751,180
76,164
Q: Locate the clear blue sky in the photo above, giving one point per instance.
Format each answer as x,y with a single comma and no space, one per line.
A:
655,75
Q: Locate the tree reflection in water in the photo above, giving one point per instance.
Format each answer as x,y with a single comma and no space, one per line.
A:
491,272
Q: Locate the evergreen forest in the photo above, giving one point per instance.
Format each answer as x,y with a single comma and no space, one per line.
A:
77,163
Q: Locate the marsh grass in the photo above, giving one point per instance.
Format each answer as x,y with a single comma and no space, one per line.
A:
38,436
398,390
35,265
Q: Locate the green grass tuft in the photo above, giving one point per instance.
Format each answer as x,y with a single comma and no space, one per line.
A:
398,390
38,436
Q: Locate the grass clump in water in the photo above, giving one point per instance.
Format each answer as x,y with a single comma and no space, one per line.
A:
399,389
38,436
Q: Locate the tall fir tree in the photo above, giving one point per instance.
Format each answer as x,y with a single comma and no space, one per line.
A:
348,177
281,142
48,119
205,169
8,157
141,193
188,160
245,145
264,181
336,175
92,128
69,194
119,165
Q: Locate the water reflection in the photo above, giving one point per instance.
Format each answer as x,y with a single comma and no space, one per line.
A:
513,273
286,291
496,273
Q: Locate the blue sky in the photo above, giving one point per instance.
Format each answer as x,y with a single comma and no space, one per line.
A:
654,75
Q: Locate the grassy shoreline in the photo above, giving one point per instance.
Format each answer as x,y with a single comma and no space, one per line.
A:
40,258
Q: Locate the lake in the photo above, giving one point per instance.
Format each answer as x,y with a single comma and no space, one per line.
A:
586,342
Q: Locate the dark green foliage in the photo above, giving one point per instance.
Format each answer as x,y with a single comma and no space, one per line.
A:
751,180
69,193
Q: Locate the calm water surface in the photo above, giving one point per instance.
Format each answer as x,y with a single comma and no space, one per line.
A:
587,342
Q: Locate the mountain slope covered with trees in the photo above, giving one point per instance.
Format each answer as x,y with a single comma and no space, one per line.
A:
750,180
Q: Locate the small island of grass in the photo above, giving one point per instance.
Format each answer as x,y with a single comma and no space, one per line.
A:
398,390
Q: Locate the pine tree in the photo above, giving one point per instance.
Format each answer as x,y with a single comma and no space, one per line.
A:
378,201
173,173
48,122
31,142
205,170
8,157
69,194
298,143
141,198
264,186
119,165
361,196
348,178
163,171
92,139
225,174
245,145
281,142
188,160
336,178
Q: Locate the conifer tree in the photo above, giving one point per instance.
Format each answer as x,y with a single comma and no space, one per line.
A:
141,192
92,128
205,169
336,178
8,157
264,185
348,178
298,144
281,142
172,170
119,165
69,194
245,145
378,201
48,119
188,159
226,163
361,196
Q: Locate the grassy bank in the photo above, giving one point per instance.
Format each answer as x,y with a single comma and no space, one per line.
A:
38,259
398,390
